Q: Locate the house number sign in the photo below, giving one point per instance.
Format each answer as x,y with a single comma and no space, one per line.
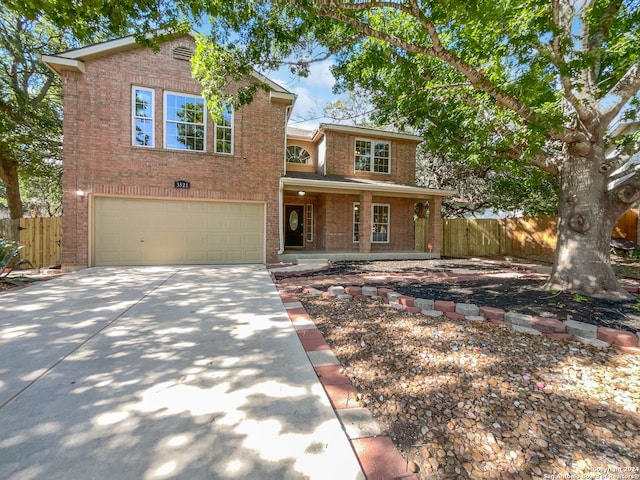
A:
182,184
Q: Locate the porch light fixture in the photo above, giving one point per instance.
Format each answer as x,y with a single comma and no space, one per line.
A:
80,193
302,193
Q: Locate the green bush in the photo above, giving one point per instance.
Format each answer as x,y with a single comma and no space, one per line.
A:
9,260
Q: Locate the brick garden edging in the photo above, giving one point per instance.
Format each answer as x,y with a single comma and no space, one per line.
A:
550,327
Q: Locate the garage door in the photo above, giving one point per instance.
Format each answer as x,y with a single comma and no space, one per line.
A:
172,232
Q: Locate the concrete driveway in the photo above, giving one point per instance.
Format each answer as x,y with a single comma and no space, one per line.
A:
160,373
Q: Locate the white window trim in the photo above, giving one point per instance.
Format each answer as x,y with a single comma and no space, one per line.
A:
215,135
308,225
164,121
372,142
134,116
353,223
373,205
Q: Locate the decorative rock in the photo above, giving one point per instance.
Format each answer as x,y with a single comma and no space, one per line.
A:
620,338
393,296
406,301
335,290
548,325
500,323
354,291
412,309
432,313
631,350
423,303
370,291
582,330
454,316
383,292
444,306
467,309
314,292
530,331
592,341
491,313
519,319
396,305
558,336
327,295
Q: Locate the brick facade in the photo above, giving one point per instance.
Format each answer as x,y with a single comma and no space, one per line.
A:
340,158
100,160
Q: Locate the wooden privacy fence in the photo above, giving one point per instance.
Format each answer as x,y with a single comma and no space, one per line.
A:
516,237
40,237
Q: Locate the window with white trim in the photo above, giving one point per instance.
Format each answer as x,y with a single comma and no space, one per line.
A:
184,122
308,226
372,156
224,131
356,222
297,154
142,116
379,223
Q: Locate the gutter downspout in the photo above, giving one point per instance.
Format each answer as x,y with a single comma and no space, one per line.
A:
287,112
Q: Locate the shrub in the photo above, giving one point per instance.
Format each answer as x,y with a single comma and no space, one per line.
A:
9,260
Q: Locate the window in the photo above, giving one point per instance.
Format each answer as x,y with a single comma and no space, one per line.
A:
372,156
379,223
184,122
142,109
224,131
356,222
296,154
308,225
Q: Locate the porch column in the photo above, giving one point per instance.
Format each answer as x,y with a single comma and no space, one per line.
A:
435,224
365,222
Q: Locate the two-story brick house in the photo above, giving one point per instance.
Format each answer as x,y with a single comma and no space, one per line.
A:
149,178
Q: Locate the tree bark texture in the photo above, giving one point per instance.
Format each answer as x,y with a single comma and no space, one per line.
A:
587,214
9,176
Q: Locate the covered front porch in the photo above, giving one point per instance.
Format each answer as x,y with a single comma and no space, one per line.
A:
336,218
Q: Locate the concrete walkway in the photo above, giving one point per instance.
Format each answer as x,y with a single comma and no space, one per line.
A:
160,373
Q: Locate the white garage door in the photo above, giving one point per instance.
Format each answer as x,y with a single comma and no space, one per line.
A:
173,232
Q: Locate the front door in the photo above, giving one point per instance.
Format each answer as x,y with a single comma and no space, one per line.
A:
294,229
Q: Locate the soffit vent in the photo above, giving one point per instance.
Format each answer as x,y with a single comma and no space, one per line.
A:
182,53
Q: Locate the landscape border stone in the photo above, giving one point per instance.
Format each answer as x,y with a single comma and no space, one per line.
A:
552,328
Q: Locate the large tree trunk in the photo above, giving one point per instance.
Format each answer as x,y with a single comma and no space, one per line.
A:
587,214
9,176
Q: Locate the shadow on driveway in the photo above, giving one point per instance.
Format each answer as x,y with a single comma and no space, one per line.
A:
159,372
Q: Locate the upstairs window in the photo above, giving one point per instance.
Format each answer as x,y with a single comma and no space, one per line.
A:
184,126
224,131
142,109
372,156
296,154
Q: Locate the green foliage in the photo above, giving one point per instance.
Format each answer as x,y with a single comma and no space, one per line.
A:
579,298
9,260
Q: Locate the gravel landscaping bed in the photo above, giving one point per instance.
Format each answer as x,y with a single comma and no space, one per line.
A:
509,286
475,400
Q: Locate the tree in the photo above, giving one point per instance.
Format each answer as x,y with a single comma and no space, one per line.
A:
30,104
534,82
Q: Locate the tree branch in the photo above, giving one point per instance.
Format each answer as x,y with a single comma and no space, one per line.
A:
624,90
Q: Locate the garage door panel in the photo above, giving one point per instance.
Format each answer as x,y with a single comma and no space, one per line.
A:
155,232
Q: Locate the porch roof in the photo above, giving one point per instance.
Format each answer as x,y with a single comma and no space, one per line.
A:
311,182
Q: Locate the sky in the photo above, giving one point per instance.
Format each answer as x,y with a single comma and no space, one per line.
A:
314,93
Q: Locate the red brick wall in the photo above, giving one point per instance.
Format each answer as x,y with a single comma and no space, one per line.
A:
338,223
99,157
340,157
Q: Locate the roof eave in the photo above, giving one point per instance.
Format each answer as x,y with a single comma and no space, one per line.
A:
328,186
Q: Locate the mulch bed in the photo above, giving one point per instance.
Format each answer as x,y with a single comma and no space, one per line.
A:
485,283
